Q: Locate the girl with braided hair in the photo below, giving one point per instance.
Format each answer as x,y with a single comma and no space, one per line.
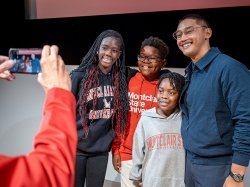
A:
100,87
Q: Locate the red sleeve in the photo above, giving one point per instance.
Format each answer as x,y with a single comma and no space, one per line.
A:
116,145
52,161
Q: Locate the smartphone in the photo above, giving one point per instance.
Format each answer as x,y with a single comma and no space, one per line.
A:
26,60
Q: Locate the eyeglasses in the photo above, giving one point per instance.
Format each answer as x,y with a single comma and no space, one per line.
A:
150,59
188,31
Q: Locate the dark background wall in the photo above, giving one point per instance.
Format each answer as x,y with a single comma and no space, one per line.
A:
75,35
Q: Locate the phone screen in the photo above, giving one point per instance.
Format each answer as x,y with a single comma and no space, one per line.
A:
26,60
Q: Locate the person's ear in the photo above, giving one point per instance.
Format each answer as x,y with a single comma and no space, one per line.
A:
208,33
164,62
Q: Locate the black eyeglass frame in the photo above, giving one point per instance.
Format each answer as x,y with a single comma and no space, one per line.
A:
149,58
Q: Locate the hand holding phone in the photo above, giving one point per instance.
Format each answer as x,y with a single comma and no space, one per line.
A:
26,60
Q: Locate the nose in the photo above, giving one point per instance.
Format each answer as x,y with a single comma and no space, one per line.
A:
183,36
108,51
146,60
165,95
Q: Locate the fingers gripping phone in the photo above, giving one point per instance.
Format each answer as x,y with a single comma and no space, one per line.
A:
26,60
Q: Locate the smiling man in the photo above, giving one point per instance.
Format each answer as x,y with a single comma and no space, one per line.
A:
216,114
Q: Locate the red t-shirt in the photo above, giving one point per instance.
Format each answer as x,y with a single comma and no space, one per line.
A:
142,96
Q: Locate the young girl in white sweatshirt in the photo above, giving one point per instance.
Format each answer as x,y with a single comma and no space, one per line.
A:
158,155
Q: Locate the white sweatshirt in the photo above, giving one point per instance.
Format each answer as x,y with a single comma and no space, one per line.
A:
158,155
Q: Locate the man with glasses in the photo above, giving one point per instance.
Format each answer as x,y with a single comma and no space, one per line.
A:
216,113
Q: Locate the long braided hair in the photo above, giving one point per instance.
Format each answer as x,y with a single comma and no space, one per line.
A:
90,70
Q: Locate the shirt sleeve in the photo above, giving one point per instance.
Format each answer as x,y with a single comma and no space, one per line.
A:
52,161
236,90
116,145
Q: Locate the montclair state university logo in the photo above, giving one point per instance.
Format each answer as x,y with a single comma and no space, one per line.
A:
165,141
137,102
104,93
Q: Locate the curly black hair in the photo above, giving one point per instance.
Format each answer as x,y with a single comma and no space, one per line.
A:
158,44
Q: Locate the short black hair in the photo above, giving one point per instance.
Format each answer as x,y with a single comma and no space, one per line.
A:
158,44
199,19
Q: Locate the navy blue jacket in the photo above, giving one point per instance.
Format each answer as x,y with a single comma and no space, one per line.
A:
216,110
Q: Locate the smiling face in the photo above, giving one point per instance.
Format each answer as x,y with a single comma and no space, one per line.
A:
108,53
193,39
167,97
150,69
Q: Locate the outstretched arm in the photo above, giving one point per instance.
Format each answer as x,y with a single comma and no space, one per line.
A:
52,161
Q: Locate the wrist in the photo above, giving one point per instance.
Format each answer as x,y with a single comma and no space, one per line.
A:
236,168
237,177
237,172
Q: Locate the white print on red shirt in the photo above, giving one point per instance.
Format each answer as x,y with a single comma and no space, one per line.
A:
137,101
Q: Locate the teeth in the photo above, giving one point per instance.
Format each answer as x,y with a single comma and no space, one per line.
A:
186,45
106,60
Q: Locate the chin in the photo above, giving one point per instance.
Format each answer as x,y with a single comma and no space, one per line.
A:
187,53
145,73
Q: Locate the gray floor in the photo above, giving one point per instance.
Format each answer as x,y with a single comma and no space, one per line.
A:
108,183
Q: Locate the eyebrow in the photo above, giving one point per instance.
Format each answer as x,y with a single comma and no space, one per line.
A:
109,46
187,27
